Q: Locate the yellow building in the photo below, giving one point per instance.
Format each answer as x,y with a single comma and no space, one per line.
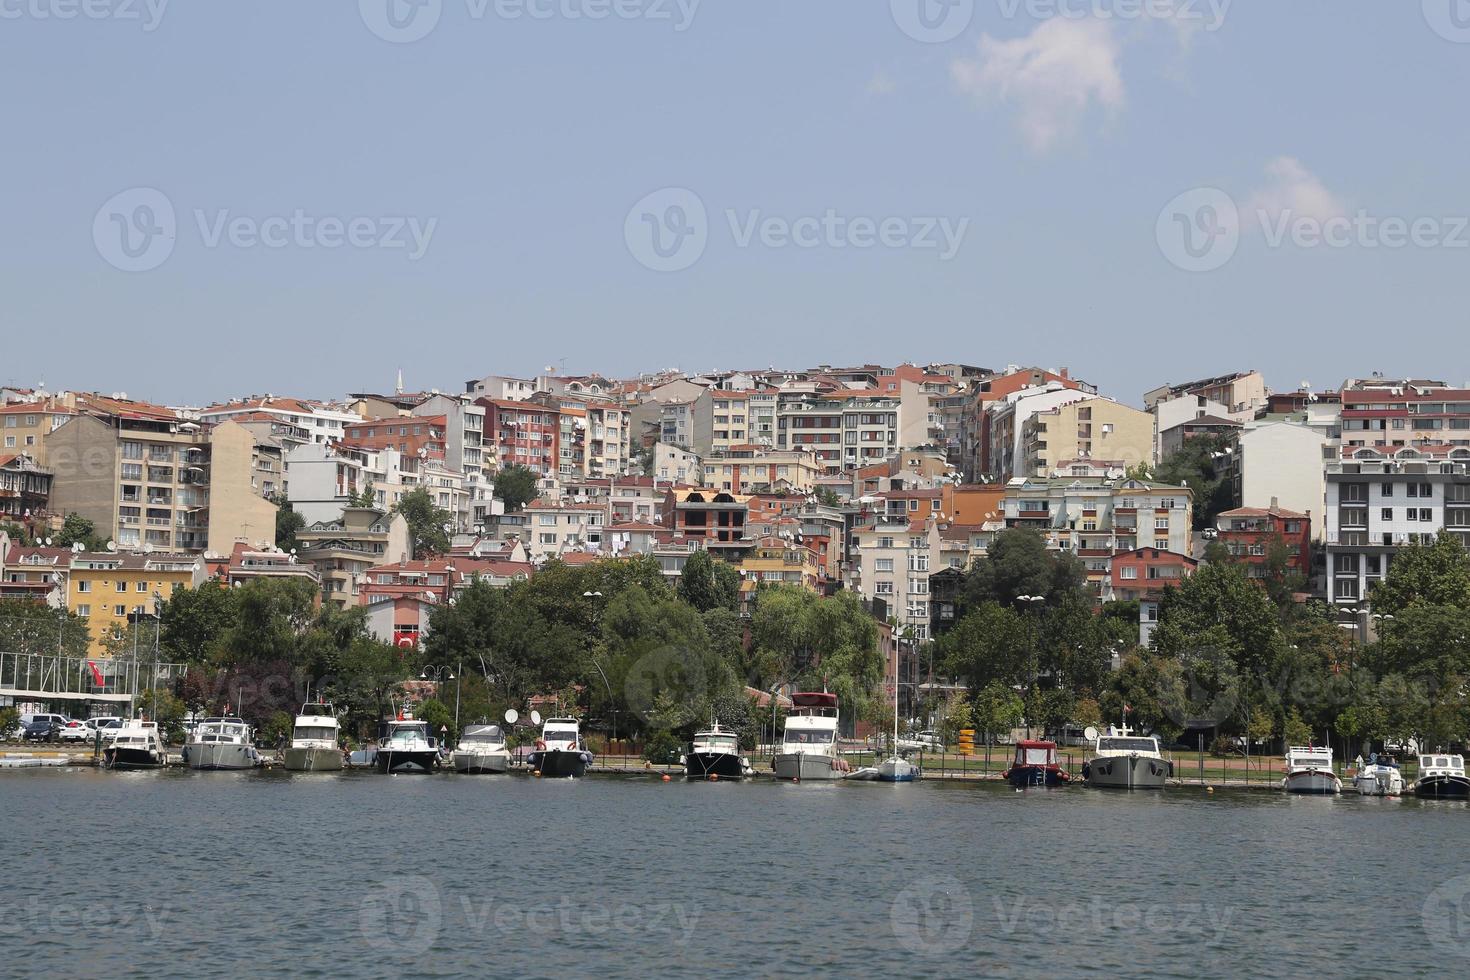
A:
24,427
1097,429
104,588
776,560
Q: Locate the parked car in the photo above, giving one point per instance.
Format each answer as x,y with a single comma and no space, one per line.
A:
107,725
926,739
41,728
76,731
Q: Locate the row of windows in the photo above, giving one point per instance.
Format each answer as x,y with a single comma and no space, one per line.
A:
85,585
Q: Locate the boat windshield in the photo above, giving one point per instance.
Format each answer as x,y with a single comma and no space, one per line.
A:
808,736
1126,744
561,735
1038,757
317,732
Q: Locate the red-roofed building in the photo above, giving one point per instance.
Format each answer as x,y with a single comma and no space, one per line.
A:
247,563
523,434
321,422
1248,532
1142,575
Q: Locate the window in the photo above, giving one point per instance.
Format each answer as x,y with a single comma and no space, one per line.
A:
10,442
883,588
1161,524
121,586
1387,514
84,586
84,610
1425,514
142,587
119,611
883,565
1388,490
1129,572
548,539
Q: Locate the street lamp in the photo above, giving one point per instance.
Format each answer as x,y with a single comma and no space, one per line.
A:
1030,601
439,675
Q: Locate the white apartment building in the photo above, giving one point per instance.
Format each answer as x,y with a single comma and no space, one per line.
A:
322,421
892,562
845,431
553,529
1283,461
675,464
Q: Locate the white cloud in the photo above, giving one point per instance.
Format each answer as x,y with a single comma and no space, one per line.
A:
881,83
1054,77
1293,189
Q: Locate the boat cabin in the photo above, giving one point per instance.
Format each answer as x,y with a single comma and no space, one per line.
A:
813,719
487,736
1127,745
1439,765
716,741
561,733
1032,752
1308,757
221,730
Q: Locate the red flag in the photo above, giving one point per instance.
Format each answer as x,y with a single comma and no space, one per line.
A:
96,674
1127,708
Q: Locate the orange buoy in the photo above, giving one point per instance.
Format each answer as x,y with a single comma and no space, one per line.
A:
666,777
536,773
714,777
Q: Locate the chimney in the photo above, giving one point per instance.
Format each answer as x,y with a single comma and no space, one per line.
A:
1275,504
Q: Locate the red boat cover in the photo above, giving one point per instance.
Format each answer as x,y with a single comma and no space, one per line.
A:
813,699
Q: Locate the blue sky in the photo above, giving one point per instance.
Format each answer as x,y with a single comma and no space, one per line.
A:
518,146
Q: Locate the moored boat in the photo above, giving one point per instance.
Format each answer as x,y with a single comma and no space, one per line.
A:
221,743
1442,777
809,742
481,749
1309,771
406,746
1036,764
1379,777
1123,760
137,745
715,753
560,750
314,740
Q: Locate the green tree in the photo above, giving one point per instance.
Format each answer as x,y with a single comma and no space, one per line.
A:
27,626
427,522
366,675
76,529
367,497
997,710
439,718
706,583
517,486
1018,563
1202,464
18,535
827,497
990,645
162,706
1435,574
288,522
1294,730
194,621
271,619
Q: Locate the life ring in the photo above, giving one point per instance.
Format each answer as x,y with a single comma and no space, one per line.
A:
540,745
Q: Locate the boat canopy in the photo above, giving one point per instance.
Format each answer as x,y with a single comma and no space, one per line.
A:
1033,752
813,699
485,732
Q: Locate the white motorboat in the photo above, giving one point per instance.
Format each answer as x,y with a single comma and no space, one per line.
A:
715,754
314,740
1379,777
405,746
137,745
560,750
1123,760
1309,770
481,749
221,743
1442,776
809,743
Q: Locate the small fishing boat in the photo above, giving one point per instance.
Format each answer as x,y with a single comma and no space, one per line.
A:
1379,777
314,740
1309,771
1123,760
221,743
137,745
481,749
405,746
1036,764
1442,777
809,742
560,750
715,753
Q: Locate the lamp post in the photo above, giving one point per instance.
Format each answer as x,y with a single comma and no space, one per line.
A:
592,596
439,675
1031,664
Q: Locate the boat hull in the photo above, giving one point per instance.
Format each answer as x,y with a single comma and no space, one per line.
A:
126,759
1127,772
1443,787
1313,782
399,762
560,763
481,763
897,771
803,765
702,765
313,760
1379,782
1021,776
220,755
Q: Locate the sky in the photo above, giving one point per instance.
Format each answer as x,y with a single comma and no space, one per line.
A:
205,200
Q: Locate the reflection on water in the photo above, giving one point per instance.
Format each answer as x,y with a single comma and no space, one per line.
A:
352,874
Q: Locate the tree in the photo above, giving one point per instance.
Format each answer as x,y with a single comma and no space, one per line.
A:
708,584
76,529
1435,574
366,674
427,522
989,645
517,486
271,618
367,497
194,621
827,497
288,522
997,710
1018,563
1201,464
1294,730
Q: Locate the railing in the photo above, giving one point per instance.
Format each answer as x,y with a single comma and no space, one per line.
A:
44,676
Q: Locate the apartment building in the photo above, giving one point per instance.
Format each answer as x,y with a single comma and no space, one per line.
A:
625,498
755,469
845,429
1282,460
105,588
465,454
555,528
975,439
1142,575
1004,449
778,560
501,388
322,422
1381,499
1239,395
676,422
891,564
248,563
24,427
718,421
145,477
1172,439
1249,532
36,574
1099,513
343,548
1380,413
523,434
675,464
25,489
712,519
1093,428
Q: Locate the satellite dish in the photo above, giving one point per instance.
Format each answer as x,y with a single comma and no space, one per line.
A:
512,716
76,547
112,546
535,717
1090,733
148,549
48,542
